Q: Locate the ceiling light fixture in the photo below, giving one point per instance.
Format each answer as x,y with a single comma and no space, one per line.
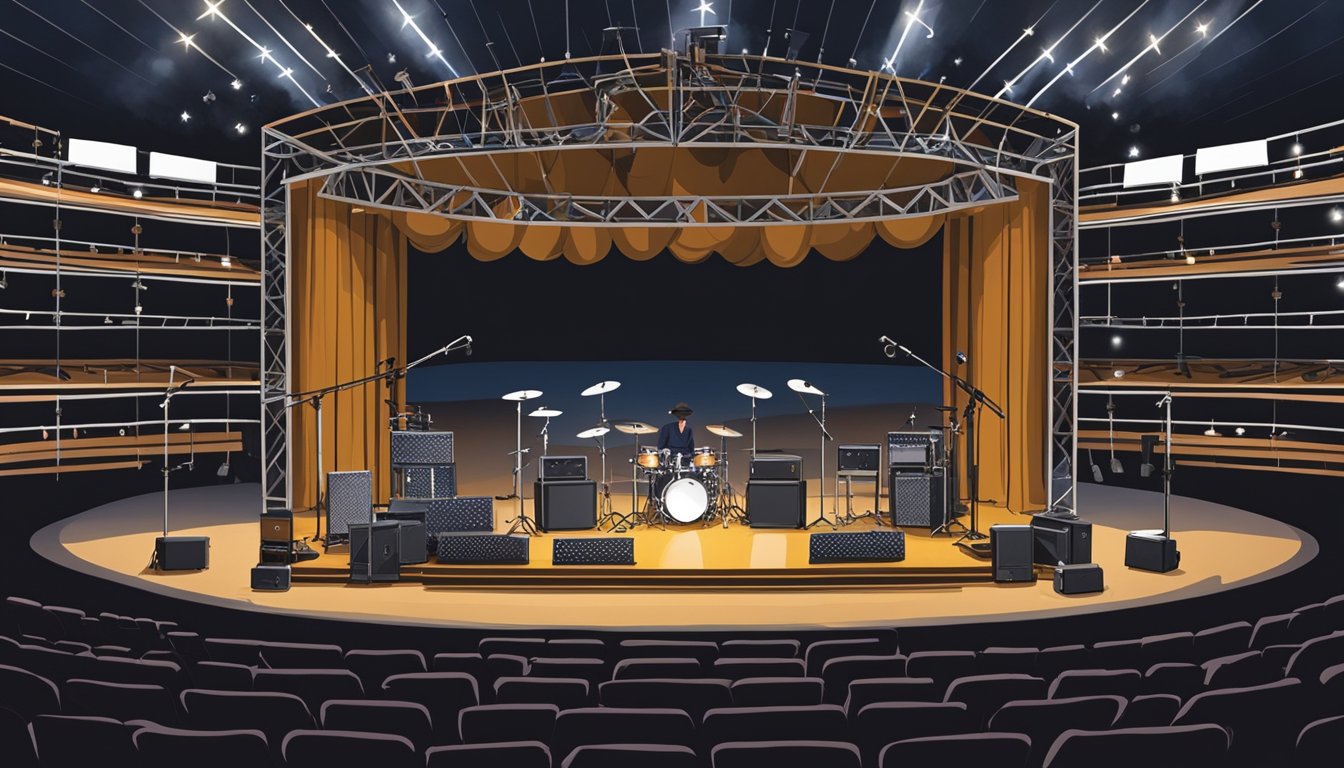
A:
240,128
1336,215
1202,28
185,116
1133,151
237,84
137,193
1116,341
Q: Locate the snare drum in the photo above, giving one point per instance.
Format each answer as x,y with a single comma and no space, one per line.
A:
703,458
648,458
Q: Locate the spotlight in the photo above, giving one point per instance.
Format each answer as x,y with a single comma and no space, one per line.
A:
46,180
1116,467
1212,431
185,116
956,62
1115,115
1241,431
1297,149
1338,283
1297,173
391,58
137,193
1202,28
1124,80
225,262
240,128
1133,151
1100,43
1116,341
1146,443
237,84
95,189
1336,215
209,97
1190,259
1096,470
1119,374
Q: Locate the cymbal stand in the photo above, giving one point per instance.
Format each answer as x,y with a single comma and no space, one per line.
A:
522,522
821,518
951,492
753,426
725,502
651,513
604,498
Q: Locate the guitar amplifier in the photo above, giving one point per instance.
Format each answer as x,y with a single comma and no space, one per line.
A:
918,500
910,449
270,578
422,448
428,481
776,466
349,500
464,513
563,468
859,458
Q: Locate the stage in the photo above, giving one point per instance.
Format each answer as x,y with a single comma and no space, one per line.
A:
1221,548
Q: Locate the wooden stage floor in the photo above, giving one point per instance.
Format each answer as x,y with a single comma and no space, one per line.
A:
1221,548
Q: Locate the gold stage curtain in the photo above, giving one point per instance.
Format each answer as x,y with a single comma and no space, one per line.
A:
995,308
347,311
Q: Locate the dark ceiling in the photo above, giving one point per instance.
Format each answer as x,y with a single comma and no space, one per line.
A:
1200,72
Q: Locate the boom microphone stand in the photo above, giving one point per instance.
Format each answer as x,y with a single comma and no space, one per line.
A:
975,398
167,470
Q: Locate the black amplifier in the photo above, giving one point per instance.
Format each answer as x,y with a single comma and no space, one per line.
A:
776,466
859,458
910,449
563,468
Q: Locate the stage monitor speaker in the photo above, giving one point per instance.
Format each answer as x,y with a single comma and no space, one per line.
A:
402,509
411,541
1066,540
181,553
565,505
464,513
428,481
349,500
917,499
483,549
575,551
865,547
776,503
1011,547
277,527
386,551
776,466
1079,579
1151,551
267,577
422,447
859,458
563,468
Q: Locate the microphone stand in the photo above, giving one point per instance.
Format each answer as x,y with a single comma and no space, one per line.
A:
975,399
825,436
167,402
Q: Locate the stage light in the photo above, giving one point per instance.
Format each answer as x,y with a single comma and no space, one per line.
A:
702,9
46,180
209,97
107,320
95,189
1146,443
1336,215
956,62
225,262
1212,431
1297,173
240,128
1116,341
1297,149
1117,468
1202,28
1133,151
1241,431
1124,80
223,470
391,58
185,40
1190,259
1119,374
185,116
1115,115
1176,198
1153,41
137,193
237,84
1096,470
185,426
1100,43
1340,283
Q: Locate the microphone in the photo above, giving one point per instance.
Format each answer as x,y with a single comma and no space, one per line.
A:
468,346
389,362
889,346
961,358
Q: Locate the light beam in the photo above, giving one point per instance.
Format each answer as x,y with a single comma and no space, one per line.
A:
434,51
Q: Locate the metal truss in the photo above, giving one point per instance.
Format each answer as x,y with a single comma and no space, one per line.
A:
1063,173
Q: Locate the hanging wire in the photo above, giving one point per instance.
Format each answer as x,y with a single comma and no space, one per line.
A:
826,31
862,30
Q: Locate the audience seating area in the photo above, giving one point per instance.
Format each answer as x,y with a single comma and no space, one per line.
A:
76,687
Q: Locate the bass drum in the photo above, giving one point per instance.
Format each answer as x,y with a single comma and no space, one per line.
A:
686,500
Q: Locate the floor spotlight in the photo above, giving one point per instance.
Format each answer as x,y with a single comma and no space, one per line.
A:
1117,468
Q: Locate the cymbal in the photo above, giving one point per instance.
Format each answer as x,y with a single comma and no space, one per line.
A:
601,388
522,395
947,408
592,434
546,413
722,431
635,428
804,387
751,390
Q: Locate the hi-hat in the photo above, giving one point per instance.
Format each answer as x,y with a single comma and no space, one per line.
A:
751,390
635,428
592,434
522,395
722,431
804,387
601,388
546,413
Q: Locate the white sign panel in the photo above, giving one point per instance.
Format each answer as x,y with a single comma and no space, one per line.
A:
1231,157
102,154
163,166
1159,170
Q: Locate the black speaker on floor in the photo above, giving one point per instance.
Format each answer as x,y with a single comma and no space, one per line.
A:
411,540
1066,540
181,553
267,577
483,549
1151,551
917,498
1011,546
1078,579
573,551
386,551
865,547
776,503
565,505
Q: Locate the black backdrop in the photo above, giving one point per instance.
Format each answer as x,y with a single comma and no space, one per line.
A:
663,309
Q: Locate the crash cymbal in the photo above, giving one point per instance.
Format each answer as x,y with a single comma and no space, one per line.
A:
546,413
523,395
635,428
601,388
751,390
722,431
592,434
804,387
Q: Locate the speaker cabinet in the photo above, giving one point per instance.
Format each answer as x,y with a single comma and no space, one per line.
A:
564,468
464,513
859,458
277,527
575,551
483,549
349,499
1061,540
386,551
181,553
270,578
1151,551
776,466
412,541
1078,579
422,447
917,499
427,481
565,505
865,547
776,503
1011,547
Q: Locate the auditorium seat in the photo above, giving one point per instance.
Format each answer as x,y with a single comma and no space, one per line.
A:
16,743
188,645
64,740
373,667
996,660
1002,750
222,676
942,666
595,671
578,648
233,650
1171,646
406,719
1318,743
821,651
1334,612
163,747
759,649
565,693
1260,718
121,701
604,725
487,723
1271,630
512,646
1222,640
1150,710
1278,656
116,669
1239,670
28,694
323,749
1095,682
742,668
499,665
314,686
877,725
301,655
1180,678
705,651
777,691
694,697
1057,658
71,621
880,689
274,714
824,722
839,671
1116,654
1315,655
1332,683
1169,747
628,755
984,694
1043,720
786,754
472,664
651,668
30,619
444,694
508,754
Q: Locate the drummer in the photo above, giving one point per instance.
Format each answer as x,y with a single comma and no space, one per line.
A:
678,437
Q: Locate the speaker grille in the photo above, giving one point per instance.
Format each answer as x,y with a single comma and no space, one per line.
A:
570,551
870,546
912,499
422,447
464,513
429,481
349,499
483,549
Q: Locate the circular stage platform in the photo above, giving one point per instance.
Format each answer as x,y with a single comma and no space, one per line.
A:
1221,547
